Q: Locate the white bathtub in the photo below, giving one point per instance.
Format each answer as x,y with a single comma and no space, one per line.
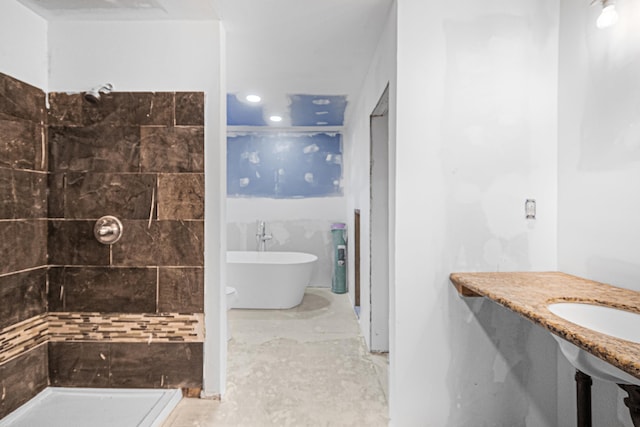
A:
269,279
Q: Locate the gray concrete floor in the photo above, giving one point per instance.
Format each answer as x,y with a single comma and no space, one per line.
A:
307,366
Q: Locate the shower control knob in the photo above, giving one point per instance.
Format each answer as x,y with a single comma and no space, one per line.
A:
108,230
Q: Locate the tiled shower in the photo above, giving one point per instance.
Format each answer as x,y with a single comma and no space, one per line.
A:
76,312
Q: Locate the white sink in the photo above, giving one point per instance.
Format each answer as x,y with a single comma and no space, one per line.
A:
605,320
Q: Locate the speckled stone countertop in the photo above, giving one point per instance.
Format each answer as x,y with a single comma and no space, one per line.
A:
528,294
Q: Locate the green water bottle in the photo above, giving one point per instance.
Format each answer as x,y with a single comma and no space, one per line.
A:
339,279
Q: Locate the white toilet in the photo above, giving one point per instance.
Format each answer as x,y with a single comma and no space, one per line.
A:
232,296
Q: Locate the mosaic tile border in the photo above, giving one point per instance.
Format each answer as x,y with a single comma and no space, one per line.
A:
23,336
73,326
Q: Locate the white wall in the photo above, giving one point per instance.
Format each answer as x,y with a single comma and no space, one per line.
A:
298,225
162,56
599,164
357,163
476,136
23,50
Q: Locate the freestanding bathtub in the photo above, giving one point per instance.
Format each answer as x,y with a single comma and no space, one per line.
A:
269,280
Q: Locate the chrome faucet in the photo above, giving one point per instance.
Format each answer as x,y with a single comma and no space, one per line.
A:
262,236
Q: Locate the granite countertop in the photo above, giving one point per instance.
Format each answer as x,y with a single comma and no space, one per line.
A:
528,294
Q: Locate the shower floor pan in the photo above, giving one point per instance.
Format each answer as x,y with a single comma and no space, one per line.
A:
95,407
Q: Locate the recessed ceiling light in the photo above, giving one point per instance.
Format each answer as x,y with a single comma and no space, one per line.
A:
322,123
321,113
275,118
321,102
253,98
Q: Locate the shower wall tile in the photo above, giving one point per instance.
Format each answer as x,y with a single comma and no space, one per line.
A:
189,109
140,157
131,108
148,328
23,241
21,100
79,364
126,196
115,109
181,290
164,243
181,196
172,149
126,365
23,296
73,243
24,194
22,245
64,109
55,197
162,365
97,148
21,144
102,289
22,378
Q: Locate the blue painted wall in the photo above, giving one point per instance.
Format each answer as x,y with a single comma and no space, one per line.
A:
243,114
317,110
303,110
284,166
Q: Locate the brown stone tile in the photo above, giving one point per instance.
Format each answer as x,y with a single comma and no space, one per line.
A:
65,109
181,290
170,149
21,144
131,109
165,243
126,196
181,196
22,378
158,365
21,100
73,243
103,289
55,197
116,109
23,296
97,148
24,194
190,108
79,364
23,245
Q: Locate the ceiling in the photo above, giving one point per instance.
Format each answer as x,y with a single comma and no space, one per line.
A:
122,10
295,54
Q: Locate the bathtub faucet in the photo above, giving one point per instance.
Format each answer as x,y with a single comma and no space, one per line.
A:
262,236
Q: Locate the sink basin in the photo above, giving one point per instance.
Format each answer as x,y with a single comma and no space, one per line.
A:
605,320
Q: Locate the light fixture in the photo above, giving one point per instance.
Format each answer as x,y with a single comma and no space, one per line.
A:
253,98
275,118
609,14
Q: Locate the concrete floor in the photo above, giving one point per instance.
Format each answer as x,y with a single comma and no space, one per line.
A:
307,366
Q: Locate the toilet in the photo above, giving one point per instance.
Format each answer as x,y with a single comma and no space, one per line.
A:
232,296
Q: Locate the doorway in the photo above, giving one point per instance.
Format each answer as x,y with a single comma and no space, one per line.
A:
379,225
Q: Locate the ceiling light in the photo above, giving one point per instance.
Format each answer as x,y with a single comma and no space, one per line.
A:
253,98
275,118
609,15
321,102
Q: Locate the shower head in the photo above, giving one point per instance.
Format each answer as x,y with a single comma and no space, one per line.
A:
93,96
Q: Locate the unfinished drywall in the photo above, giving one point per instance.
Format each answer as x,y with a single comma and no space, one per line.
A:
284,165
599,168
23,52
475,137
358,169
